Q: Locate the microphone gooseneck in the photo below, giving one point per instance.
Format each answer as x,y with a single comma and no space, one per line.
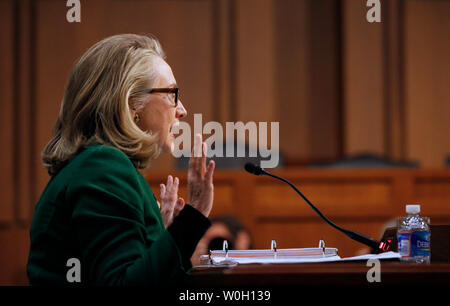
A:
376,245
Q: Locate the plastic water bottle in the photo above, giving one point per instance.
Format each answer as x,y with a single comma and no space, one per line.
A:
413,234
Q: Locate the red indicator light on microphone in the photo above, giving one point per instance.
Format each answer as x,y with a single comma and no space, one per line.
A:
385,245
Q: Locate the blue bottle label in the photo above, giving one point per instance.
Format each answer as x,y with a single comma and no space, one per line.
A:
404,244
414,244
420,243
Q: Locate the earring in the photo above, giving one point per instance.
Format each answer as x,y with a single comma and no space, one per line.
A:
136,118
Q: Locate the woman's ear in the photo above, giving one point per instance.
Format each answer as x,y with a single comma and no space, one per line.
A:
134,116
133,113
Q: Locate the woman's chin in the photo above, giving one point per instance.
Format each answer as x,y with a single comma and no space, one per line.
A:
168,147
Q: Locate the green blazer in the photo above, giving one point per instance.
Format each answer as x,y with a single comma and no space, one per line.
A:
100,210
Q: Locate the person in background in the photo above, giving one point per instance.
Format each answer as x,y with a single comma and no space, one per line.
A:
119,107
227,228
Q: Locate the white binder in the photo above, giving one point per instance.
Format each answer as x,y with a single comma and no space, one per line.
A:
272,255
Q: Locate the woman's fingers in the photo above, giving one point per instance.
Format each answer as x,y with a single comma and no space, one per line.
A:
170,204
196,153
175,183
209,172
169,182
198,145
198,157
197,162
179,206
203,159
162,190
169,192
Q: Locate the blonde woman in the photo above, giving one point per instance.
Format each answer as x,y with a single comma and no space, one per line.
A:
119,107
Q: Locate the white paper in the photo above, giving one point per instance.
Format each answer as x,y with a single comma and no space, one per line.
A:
381,256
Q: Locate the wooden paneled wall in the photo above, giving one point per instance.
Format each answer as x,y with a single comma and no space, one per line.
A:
427,79
336,84
396,98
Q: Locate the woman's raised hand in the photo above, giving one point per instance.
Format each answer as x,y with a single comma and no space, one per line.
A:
171,204
200,178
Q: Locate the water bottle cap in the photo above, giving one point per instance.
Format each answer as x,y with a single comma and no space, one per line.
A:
413,209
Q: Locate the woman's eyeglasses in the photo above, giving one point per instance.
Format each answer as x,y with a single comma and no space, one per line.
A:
172,91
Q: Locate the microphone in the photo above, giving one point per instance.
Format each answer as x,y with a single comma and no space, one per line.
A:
377,246
253,169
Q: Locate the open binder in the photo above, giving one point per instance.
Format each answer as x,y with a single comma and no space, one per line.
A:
272,255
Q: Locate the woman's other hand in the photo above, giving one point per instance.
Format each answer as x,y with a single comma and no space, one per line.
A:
200,178
171,204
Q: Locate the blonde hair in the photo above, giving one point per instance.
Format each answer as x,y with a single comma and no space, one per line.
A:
104,84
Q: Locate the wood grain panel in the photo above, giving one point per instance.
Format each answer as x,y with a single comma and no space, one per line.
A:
427,76
224,203
293,99
7,178
255,62
224,45
14,251
393,78
349,198
307,79
432,187
324,118
25,119
363,81
433,194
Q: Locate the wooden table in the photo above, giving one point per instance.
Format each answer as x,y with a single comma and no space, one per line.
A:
327,282
318,274
319,284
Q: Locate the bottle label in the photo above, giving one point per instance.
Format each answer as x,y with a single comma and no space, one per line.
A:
420,243
414,244
404,244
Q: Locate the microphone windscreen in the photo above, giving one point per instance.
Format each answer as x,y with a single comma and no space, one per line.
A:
251,168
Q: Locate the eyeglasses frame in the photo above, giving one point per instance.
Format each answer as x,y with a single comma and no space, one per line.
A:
174,90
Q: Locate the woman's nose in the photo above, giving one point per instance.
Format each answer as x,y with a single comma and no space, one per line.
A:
181,111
